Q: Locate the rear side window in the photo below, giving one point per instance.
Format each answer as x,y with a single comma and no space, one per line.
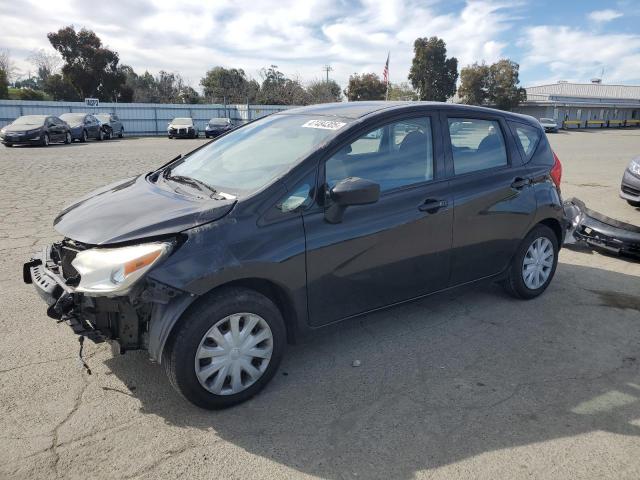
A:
476,145
528,137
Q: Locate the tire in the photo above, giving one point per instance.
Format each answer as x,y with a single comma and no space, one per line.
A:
121,134
169,137
67,138
191,336
100,136
84,136
45,140
515,283
633,203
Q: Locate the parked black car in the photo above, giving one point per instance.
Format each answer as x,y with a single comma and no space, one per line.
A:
217,126
298,220
84,126
35,130
182,128
112,121
630,187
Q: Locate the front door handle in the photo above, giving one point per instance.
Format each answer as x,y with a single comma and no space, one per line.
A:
432,206
520,182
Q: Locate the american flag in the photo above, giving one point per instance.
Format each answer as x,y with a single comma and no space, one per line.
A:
385,72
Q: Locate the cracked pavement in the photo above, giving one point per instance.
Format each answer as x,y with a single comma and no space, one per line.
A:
470,383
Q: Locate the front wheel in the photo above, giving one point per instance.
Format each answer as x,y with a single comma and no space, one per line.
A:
100,135
67,138
45,140
121,134
84,136
226,348
534,264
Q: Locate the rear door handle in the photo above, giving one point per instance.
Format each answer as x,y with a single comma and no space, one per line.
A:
432,206
520,182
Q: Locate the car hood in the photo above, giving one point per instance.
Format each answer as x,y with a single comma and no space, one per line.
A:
21,128
135,208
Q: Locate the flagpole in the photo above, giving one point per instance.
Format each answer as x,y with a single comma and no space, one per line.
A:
386,95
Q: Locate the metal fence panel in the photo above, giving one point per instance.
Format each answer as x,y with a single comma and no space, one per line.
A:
140,118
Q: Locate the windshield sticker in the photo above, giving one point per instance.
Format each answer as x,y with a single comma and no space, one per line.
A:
324,124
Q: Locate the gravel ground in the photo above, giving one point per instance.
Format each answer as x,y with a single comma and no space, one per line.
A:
468,384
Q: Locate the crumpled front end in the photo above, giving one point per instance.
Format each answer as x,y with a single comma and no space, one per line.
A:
124,320
599,231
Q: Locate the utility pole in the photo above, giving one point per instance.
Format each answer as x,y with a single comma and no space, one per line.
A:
327,68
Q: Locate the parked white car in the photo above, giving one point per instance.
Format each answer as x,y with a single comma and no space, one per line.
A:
549,125
182,128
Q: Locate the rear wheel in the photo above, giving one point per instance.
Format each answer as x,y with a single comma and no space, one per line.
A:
84,136
633,203
67,138
534,264
121,134
45,140
226,348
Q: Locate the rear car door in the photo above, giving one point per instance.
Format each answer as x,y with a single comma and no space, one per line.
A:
390,251
494,202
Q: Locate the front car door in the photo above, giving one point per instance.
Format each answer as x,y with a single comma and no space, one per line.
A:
494,202
395,249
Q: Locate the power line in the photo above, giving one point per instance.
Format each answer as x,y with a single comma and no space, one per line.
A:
327,68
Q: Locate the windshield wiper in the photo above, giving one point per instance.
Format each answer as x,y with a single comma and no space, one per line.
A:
194,182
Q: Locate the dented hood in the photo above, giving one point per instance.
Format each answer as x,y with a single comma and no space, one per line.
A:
135,208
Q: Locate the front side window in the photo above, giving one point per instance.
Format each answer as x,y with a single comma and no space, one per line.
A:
248,158
476,145
528,137
395,155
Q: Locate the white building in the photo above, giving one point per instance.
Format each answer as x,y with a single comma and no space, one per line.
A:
593,102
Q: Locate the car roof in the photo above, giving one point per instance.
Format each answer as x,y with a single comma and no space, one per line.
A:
357,110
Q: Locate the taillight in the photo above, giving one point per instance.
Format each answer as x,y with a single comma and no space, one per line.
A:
556,171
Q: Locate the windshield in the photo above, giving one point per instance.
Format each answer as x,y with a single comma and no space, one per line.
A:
547,120
182,121
30,120
72,117
103,118
218,121
250,157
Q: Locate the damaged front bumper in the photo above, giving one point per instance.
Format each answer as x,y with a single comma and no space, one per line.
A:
124,321
599,231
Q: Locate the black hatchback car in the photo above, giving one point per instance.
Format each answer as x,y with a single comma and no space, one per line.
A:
35,130
299,220
217,126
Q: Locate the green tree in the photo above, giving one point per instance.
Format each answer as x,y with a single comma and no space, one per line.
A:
277,89
503,88
402,91
91,68
30,94
59,88
232,85
367,86
432,74
474,84
4,84
321,91
188,94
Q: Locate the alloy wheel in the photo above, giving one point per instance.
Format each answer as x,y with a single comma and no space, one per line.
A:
538,263
234,353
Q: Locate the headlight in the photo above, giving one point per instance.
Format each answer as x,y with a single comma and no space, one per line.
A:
3,130
634,167
113,271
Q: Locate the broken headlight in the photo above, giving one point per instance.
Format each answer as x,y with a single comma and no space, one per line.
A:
113,271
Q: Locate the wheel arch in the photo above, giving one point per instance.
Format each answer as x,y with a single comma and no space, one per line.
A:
167,318
554,225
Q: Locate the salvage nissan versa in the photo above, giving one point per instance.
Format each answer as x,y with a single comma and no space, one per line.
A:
213,262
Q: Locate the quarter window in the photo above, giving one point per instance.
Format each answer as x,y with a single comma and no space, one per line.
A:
476,145
528,137
395,155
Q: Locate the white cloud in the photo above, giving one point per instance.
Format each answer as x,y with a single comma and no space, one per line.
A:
602,16
298,36
574,54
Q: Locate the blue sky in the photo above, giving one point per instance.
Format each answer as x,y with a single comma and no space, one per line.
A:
551,40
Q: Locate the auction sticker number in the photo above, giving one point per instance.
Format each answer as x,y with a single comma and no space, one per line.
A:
324,124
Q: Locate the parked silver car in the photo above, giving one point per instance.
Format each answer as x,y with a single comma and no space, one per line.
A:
549,125
112,120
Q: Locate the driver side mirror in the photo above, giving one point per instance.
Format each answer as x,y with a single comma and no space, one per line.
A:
350,191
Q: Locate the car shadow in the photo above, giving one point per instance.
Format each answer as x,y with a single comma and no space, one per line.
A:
439,380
